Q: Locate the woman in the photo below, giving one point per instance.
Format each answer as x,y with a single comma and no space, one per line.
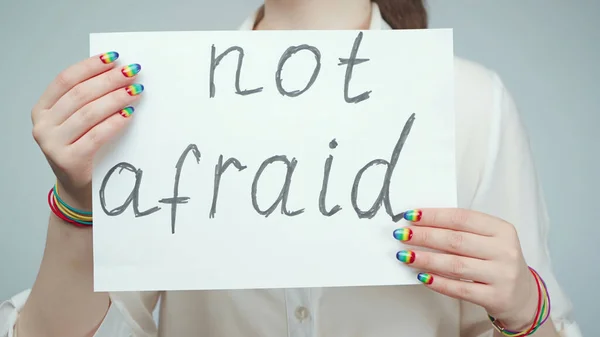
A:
76,115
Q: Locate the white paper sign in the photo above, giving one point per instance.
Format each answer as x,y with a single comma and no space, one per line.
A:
280,168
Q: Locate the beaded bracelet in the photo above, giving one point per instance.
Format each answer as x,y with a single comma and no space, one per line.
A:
67,213
542,313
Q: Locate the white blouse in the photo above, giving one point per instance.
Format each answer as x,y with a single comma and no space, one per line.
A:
496,175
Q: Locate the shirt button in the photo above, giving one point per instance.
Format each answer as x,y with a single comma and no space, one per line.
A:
302,313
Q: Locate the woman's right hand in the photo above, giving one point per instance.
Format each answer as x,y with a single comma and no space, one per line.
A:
84,107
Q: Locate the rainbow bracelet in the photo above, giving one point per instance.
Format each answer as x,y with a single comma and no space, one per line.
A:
68,213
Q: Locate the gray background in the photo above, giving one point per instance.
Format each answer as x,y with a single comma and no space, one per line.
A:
547,52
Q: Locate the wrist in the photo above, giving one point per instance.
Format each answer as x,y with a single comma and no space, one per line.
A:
521,322
517,323
80,199
69,208
526,313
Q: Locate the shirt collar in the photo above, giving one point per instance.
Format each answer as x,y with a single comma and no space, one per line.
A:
377,22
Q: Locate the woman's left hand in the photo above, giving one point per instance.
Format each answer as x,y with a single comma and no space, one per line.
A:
479,260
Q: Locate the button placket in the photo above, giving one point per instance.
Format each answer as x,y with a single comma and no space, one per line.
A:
299,315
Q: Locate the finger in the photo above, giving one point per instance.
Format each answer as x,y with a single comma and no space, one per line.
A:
454,266
477,293
451,241
99,135
457,219
95,112
93,89
74,75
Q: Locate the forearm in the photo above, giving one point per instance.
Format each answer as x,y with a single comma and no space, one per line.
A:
62,301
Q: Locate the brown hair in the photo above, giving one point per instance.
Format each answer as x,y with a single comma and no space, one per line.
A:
399,14
404,14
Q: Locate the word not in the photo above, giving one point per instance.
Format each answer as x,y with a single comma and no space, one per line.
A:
287,54
282,198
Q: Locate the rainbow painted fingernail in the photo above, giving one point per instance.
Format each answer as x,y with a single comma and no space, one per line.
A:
127,112
425,278
403,234
135,89
413,215
406,256
131,70
109,57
